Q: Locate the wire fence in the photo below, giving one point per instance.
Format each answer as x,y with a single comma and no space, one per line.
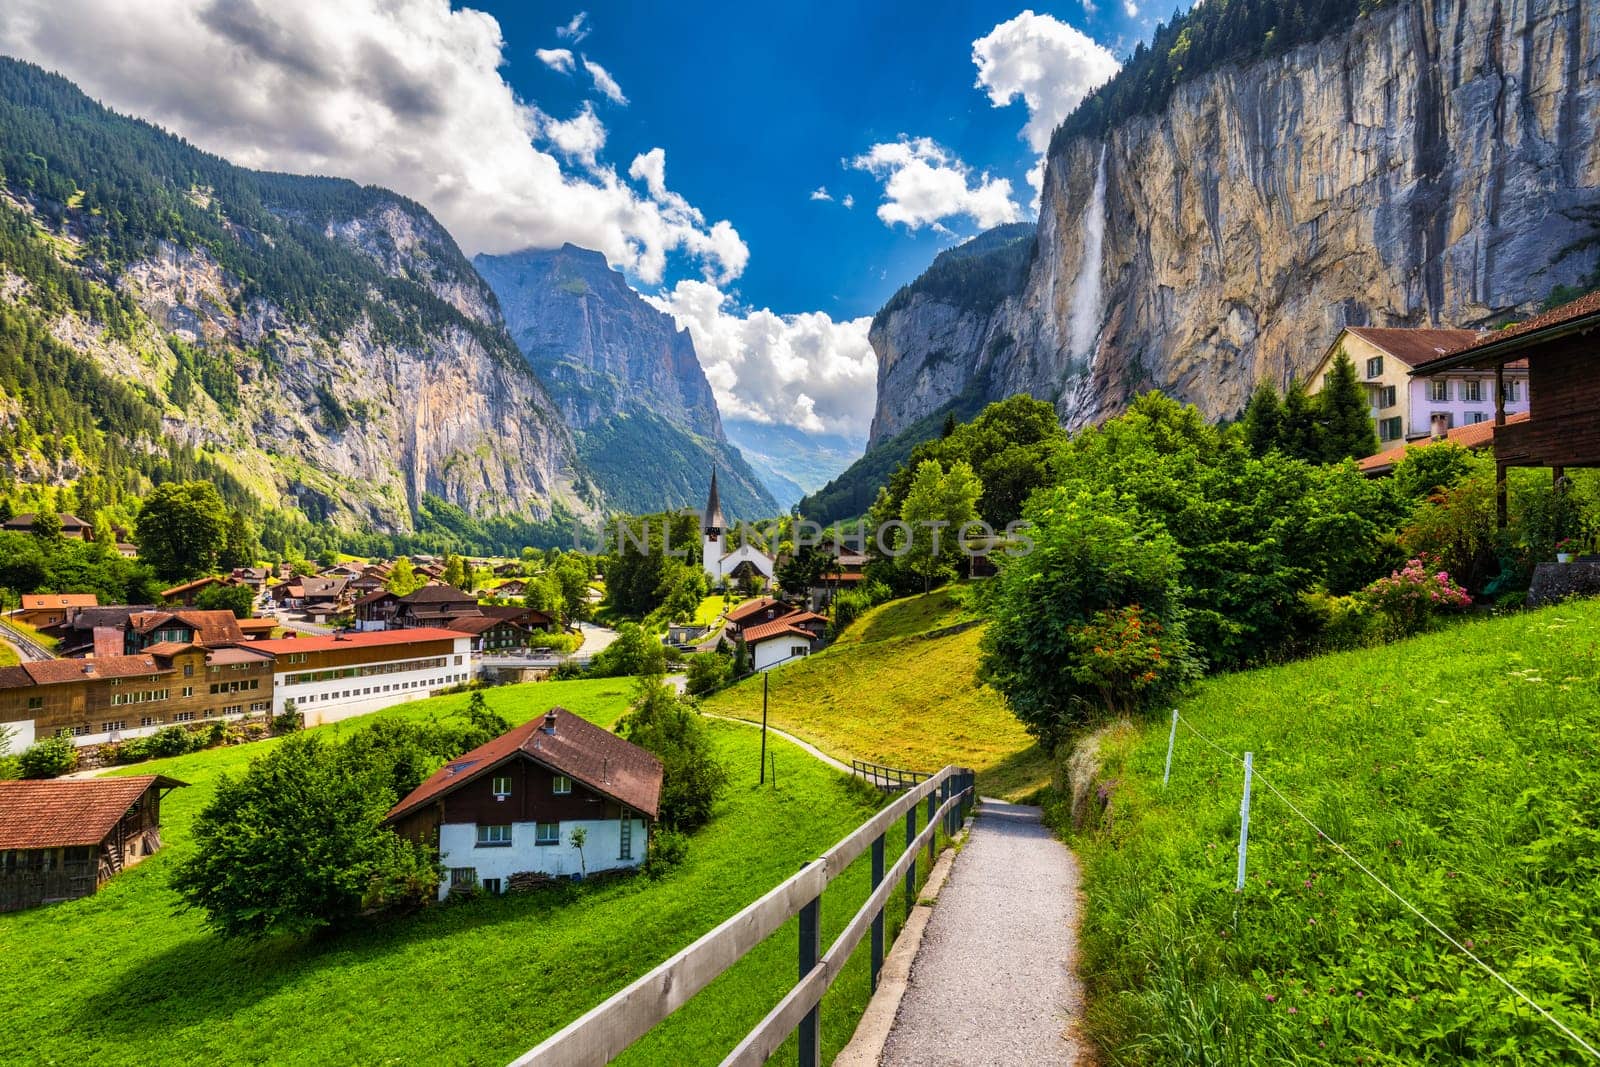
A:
1253,773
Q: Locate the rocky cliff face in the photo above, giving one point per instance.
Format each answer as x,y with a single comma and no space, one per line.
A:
1434,164
627,381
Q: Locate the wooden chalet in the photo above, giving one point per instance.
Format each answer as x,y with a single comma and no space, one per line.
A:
1562,347
52,609
61,838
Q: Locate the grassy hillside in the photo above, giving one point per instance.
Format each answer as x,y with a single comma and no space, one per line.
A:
911,615
901,700
1460,767
124,977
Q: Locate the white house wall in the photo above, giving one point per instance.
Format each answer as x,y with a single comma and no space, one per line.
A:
458,847
344,698
22,735
768,654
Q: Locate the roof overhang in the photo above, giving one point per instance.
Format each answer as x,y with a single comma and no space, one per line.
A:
1498,352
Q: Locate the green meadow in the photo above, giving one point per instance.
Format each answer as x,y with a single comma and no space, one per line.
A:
127,977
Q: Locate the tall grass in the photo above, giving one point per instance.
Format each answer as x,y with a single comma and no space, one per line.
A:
1460,767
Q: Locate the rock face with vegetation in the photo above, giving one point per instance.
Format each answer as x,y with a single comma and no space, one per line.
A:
626,378
321,350
1421,164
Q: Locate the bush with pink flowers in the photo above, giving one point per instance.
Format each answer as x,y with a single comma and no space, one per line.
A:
1415,597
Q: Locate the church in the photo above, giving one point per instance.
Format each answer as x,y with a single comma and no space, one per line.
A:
726,563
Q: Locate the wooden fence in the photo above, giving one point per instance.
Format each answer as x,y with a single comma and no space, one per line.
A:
603,1032
888,779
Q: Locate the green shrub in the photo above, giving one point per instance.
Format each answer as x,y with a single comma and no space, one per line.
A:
1415,597
708,671
671,728
1340,622
668,848
50,758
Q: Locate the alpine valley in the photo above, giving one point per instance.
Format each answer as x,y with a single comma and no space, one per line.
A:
320,350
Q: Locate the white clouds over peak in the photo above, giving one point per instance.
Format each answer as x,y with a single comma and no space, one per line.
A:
796,370
1051,65
604,81
557,59
925,184
402,93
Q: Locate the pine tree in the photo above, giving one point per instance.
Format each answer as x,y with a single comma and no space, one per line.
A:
1263,420
1345,414
1301,435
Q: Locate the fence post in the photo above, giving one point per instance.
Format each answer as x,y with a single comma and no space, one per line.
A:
808,1034
911,868
877,920
1244,822
933,795
1171,740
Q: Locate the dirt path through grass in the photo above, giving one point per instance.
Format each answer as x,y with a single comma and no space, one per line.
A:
993,981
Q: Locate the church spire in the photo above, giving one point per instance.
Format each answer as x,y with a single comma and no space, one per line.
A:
711,520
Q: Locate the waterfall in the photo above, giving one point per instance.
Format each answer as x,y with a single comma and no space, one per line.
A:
1086,311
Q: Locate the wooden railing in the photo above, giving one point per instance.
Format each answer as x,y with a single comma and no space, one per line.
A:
888,779
602,1033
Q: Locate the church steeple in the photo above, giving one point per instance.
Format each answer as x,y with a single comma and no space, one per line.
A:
711,520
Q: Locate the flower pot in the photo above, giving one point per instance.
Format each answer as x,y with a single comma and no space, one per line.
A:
1563,557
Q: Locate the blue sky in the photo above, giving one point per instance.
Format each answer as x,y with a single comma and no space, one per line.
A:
756,112
684,140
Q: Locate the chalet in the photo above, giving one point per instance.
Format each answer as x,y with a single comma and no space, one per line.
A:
60,839
324,597
376,610
255,577
347,674
508,808
1562,351
527,618
489,634
77,634
209,629
289,594
71,526
755,612
433,605
1475,436
785,637
848,572
1406,407
115,697
42,610
513,569
514,587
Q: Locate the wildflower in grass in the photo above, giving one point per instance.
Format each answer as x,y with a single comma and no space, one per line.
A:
1293,1010
1271,998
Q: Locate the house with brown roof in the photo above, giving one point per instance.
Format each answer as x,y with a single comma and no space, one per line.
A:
71,526
785,638
490,634
61,839
1406,408
341,675
211,629
40,610
433,605
507,809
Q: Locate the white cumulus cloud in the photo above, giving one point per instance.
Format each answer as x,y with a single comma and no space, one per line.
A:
581,137
557,59
848,201
604,81
924,184
1048,63
796,370
821,193
401,93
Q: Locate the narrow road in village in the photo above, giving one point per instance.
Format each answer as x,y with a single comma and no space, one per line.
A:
993,981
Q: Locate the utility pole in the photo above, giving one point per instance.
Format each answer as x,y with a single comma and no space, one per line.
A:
763,729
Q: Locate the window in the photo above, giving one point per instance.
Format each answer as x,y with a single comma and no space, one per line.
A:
798,650
233,709
501,786
149,720
547,833
79,731
260,705
491,885
1375,367
494,836
1513,391
1475,417
1386,397
184,716
1438,389
115,724
463,876
188,690
1472,390
561,785
625,834
35,703
188,670
1389,429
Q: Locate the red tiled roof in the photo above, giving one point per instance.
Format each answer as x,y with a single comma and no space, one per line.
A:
14,678
58,671
1476,435
67,812
755,607
37,601
167,648
250,654
754,635
210,627
599,759
1582,308
279,646
257,626
1415,346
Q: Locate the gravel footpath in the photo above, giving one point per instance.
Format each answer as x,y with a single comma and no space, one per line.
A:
993,981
